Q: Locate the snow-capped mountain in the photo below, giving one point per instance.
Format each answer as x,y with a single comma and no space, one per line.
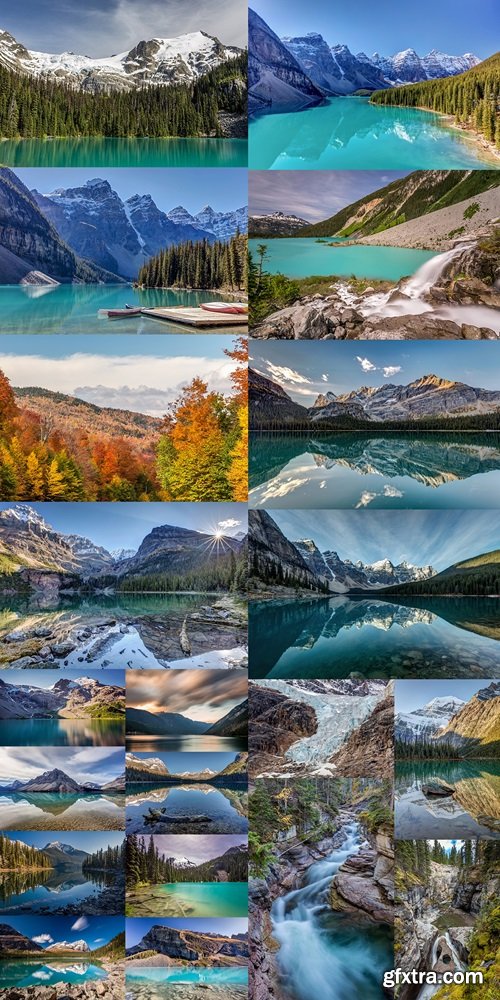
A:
276,224
68,946
120,554
121,235
342,574
408,67
74,698
223,225
91,558
159,61
64,848
427,721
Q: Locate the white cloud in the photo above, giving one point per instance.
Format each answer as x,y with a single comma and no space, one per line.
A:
366,365
287,374
324,378
80,924
41,974
43,939
230,522
390,370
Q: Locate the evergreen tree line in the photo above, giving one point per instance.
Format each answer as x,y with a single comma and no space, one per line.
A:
479,583
473,97
414,856
425,748
276,575
267,292
108,859
226,573
219,265
474,422
146,864
15,856
43,107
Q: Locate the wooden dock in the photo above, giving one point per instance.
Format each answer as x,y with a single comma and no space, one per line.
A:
192,316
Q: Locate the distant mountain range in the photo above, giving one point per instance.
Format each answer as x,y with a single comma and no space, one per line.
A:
294,73
57,781
81,698
12,940
427,397
153,769
28,543
166,61
275,224
90,234
189,946
466,729
139,721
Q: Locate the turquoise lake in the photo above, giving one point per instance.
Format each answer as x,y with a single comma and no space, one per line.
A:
334,636
94,152
300,258
74,309
343,470
22,974
214,977
189,899
349,133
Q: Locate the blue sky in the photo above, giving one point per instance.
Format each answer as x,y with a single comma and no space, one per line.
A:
89,842
83,764
203,695
312,196
46,930
125,525
343,366
435,537
415,694
388,26
143,374
177,763
47,678
139,926
104,27
224,190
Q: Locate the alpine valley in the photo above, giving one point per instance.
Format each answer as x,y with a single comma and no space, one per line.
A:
323,614
69,602
333,109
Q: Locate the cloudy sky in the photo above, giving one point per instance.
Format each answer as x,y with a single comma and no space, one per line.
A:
82,763
415,694
342,366
224,190
311,195
435,537
387,27
81,841
197,849
136,929
144,374
107,27
188,762
202,695
125,525
47,930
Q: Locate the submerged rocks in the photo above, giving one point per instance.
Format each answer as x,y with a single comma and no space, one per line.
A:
438,788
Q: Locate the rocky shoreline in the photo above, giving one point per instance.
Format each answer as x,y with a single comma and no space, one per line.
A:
111,988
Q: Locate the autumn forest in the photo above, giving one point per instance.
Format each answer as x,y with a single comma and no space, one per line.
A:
57,447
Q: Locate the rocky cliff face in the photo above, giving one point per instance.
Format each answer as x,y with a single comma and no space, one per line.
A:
190,946
276,722
269,403
32,542
270,550
276,79
71,699
30,242
369,750
364,883
12,940
342,574
475,729
172,549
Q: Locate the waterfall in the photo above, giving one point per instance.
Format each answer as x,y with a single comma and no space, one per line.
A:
316,959
429,990
410,298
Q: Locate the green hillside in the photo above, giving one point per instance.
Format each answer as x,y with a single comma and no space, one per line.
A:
420,193
471,97
478,576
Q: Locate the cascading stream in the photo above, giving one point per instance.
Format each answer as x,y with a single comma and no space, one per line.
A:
455,965
324,954
409,300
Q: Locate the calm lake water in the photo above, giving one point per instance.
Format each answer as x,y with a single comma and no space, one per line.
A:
50,891
224,809
332,637
214,977
473,811
347,132
354,470
190,899
74,308
22,974
63,732
300,258
195,743
94,152
48,811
